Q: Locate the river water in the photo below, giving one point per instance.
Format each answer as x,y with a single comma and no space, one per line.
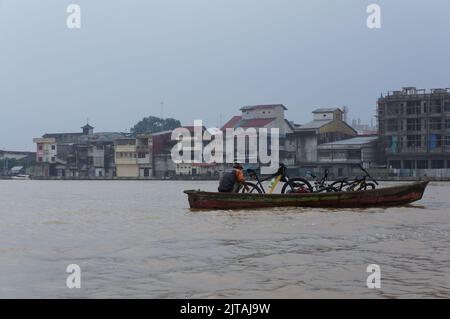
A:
137,239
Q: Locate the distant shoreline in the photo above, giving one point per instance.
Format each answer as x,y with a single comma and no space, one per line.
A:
60,178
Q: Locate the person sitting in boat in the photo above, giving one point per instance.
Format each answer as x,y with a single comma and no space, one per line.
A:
232,182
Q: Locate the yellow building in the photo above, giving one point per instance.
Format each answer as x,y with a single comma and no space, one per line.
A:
194,169
126,158
327,126
133,157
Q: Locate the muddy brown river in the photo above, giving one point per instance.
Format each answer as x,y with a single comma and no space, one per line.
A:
136,239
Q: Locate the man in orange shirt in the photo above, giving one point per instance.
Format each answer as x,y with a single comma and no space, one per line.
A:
231,182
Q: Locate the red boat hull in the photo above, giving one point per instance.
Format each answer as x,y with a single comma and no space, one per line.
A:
389,196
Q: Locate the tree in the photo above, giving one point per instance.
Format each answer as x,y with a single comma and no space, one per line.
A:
153,124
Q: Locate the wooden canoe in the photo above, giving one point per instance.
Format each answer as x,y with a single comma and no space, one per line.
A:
388,196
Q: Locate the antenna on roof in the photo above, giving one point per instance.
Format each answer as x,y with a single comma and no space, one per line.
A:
162,109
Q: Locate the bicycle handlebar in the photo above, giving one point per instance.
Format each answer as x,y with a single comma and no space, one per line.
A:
281,171
367,173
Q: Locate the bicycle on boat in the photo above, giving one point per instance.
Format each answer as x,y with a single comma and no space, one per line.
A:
291,185
360,183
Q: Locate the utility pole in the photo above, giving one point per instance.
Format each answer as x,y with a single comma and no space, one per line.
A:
162,109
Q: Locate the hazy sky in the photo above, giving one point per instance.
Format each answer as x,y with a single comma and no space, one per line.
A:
207,58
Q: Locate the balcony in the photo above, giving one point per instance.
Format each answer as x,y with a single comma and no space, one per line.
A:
144,161
126,161
143,149
125,148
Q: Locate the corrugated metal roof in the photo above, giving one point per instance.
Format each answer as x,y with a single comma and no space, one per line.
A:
237,121
56,135
326,110
262,107
106,136
255,122
232,122
314,125
360,140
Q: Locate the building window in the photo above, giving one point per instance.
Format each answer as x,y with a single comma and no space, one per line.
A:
413,141
408,164
39,159
435,123
53,159
324,154
395,164
435,106
435,109
53,147
447,140
354,154
340,155
413,125
447,106
40,147
412,109
394,108
422,164
437,164
392,125
447,123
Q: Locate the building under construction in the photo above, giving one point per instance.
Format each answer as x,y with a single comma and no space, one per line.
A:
414,126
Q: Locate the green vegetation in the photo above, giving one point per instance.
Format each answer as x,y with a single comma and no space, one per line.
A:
153,124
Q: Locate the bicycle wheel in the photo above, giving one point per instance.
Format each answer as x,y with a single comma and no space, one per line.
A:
338,186
297,185
367,186
331,189
253,188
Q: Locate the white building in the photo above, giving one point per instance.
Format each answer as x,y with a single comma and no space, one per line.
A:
46,150
263,116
